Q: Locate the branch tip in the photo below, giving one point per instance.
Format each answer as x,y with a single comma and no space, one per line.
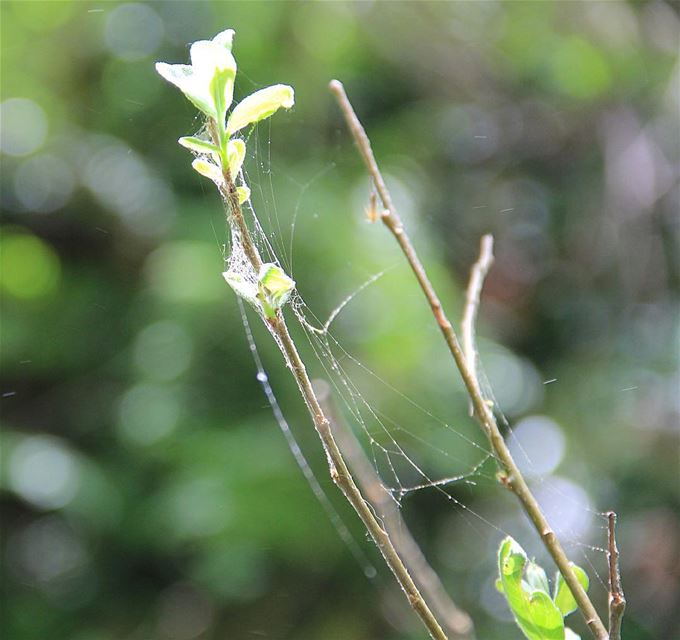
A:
473,295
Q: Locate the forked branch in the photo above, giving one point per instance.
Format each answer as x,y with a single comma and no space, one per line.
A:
511,475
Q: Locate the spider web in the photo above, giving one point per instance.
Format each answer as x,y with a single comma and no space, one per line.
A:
401,446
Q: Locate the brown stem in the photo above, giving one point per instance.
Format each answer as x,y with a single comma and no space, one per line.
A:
617,601
472,298
338,468
234,211
512,477
457,622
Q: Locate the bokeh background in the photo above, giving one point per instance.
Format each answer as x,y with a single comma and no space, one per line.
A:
146,489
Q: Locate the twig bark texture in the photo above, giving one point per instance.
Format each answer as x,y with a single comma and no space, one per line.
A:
338,468
617,601
513,478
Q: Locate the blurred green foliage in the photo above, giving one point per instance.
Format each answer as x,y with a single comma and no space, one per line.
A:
147,491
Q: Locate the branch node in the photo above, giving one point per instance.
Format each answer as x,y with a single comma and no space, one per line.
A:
617,600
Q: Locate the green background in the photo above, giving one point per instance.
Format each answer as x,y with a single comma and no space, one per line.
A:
146,490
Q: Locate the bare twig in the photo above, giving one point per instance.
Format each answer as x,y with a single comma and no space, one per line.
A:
339,471
472,297
510,475
457,622
617,601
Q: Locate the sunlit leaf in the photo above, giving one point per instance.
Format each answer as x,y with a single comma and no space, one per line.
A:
534,611
563,597
222,91
536,577
236,152
209,81
192,86
243,193
260,105
208,56
275,288
225,39
208,169
198,145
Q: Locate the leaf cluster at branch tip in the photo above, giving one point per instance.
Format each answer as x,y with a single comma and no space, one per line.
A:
208,83
525,586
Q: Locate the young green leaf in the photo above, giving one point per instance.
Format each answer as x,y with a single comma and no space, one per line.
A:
236,152
275,288
225,39
184,78
534,611
260,105
536,577
545,616
222,92
563,597
198,145
208,56
208,169
209,82
242,288
243,193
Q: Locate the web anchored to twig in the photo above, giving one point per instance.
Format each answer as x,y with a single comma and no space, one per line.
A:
256,275
208,84
509,473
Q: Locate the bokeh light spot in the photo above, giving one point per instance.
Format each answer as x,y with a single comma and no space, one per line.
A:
23,127
566,506
197,507
186,272
163,350
44,183
515,382
44,472
47,553
29,267
147,413
579,70
133,31
121,180
537,444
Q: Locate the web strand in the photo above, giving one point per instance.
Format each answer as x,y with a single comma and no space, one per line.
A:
395,450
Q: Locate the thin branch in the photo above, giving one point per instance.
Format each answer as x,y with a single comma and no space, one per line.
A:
510,475
234,211
457,622
339,471
472,297
617,601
